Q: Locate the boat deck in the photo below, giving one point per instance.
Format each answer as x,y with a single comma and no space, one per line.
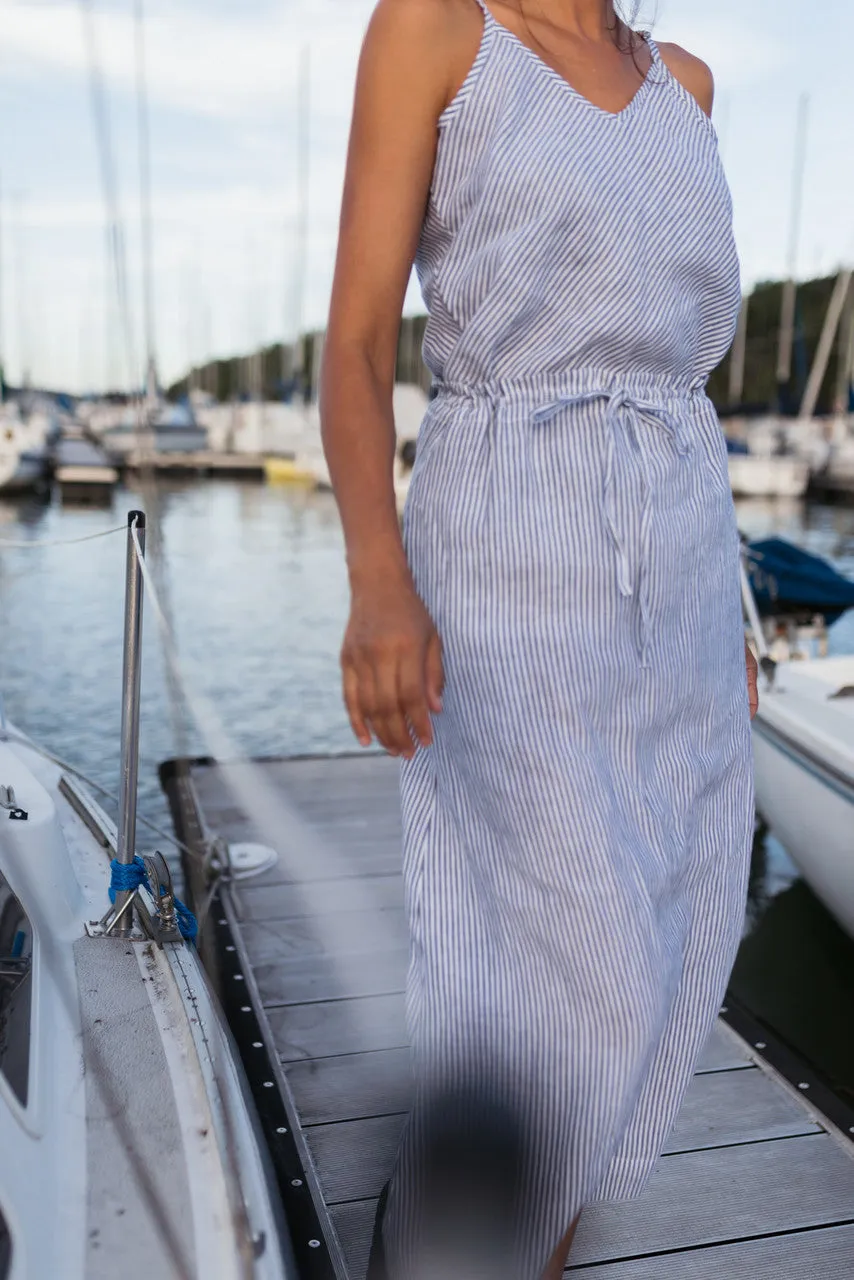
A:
754,1182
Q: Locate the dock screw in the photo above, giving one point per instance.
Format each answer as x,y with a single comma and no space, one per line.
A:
222,920
803,1085
296,1182
268,1084
238,977
229,948
314,1244
246,1008
257,1044
760,1044
281,1129
724,1009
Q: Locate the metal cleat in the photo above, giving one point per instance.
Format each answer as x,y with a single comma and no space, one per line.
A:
8,802
162,926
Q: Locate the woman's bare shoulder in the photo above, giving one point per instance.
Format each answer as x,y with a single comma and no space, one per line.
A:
691,72
431,27
428,43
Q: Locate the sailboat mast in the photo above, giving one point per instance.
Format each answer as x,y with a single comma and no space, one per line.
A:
21,303
303,196
114,224
2,294
144,147
832,318
787,304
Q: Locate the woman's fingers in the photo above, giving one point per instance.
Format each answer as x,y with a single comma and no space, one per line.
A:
434,673
387,715
752,681
352,687
413,695
392,673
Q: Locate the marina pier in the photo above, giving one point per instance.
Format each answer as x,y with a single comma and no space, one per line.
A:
309,959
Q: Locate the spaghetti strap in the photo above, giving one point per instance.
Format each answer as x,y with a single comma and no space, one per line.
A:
485,9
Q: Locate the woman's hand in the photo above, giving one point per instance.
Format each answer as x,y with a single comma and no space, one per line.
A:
391,663
752,677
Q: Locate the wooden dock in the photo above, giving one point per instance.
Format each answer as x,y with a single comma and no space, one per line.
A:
82,470
310,962
233,466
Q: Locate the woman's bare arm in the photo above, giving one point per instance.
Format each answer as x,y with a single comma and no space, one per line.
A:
391,658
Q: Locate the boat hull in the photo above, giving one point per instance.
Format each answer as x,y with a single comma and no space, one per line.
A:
26,472
809,805
754,476
125,1122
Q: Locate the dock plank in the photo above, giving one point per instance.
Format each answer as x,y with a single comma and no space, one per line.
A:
697,1199
347,825
352,1086
262,903
331,977
334,1027
338,932
354,1156
821,1253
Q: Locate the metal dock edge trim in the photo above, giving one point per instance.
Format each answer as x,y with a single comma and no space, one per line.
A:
313,1238
778,1059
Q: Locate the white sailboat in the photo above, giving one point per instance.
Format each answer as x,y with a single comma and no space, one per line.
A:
130,1144
803,741
757,476
128,1147
23,451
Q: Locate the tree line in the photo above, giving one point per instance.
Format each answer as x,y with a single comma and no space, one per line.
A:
282,371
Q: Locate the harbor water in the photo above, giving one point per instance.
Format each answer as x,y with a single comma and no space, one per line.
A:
253,585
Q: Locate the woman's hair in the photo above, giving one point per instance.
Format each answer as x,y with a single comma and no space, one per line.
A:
627,12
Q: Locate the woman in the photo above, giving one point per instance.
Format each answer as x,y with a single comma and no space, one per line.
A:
555,649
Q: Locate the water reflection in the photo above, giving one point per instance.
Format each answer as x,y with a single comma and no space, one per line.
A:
256,582
795,967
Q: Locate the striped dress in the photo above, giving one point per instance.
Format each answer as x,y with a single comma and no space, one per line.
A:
576,841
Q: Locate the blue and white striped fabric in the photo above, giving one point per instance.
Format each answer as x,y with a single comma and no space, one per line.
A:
577,840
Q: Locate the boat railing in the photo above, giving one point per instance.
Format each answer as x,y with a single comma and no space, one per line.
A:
130,916
131,677
767,665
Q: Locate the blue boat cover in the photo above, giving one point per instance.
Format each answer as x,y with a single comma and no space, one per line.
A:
786,579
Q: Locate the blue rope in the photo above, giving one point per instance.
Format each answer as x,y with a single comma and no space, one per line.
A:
129,876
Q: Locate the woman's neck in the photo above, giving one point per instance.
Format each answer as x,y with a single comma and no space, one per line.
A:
587,19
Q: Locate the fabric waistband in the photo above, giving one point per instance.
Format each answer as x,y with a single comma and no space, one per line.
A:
540,388
628,400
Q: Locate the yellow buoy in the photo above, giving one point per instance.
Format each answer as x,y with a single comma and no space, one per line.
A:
287,471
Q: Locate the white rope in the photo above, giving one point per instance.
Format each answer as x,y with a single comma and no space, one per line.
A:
62,542
274,816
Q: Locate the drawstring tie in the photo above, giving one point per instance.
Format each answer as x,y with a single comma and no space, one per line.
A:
622,418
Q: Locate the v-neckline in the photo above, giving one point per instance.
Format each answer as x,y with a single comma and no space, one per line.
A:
639,93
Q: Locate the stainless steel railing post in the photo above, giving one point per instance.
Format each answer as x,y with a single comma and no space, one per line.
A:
131,670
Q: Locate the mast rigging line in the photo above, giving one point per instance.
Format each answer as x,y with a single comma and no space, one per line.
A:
116,249
144,148
25,545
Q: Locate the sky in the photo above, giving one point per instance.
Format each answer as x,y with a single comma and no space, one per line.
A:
223,102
